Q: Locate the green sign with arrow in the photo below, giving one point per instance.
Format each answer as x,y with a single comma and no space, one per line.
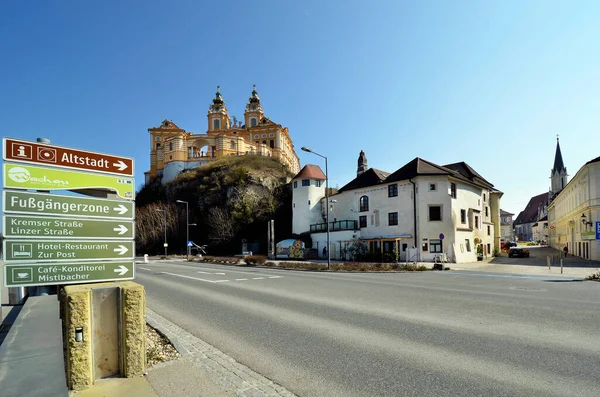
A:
73,273
19,202
21,251
54,227
28,177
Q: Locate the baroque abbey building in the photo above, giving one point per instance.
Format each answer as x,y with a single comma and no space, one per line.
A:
173,150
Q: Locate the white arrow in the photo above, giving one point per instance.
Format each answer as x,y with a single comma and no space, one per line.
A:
120,165
121,249
121,209
121,229
122,269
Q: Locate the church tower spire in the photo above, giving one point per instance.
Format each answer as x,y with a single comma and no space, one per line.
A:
558,175
254,111
362,163
218,118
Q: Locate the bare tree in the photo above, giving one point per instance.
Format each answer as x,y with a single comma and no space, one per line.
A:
150,223
221,224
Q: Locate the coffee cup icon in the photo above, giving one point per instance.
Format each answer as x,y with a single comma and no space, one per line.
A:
22,275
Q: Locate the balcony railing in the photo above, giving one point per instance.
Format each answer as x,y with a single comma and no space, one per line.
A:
334,226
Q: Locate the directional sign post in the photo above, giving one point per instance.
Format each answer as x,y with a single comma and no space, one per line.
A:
73,273
22,250
21,176
19,202
53,227
56,156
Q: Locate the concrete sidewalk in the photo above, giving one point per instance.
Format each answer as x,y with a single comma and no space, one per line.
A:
203,371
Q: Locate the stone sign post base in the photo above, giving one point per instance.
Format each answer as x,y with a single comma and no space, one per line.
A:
104,331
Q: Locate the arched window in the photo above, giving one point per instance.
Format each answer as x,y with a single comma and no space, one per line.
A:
252,122
232,144
364,203
216,124
157,146
264,142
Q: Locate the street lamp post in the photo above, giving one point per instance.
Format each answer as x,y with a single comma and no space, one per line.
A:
165,221
304,148
187,225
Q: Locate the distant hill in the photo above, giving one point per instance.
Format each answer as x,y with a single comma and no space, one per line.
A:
230,199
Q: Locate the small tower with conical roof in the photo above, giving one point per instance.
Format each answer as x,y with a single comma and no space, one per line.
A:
558,175
362,164
218,118
254,111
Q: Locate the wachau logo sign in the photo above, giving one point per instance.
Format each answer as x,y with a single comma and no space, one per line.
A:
30,177
22,175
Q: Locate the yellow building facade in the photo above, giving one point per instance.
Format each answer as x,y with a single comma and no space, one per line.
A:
173,150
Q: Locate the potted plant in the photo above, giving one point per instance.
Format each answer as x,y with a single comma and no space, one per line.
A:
480,252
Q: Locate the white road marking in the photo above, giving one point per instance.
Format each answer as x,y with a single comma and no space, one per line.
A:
193,278
241,279
258,278
144,268
222,274
274,276
220,281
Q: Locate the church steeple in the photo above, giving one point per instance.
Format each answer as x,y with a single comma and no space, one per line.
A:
362,163
558,175
218,118
254,111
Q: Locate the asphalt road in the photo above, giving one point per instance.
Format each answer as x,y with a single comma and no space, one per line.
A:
400,334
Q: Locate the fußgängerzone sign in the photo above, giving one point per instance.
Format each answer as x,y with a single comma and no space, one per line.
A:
21,226
23,250
29,177
19,202
26,275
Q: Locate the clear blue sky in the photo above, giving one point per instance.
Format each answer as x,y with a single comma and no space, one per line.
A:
489,83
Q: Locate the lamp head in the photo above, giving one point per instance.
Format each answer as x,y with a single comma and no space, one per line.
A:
304,148
181,201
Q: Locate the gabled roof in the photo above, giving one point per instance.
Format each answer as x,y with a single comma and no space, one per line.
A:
465,170
417,166
370,177
530,213
597,159
311,171
505,213
166,125
519,217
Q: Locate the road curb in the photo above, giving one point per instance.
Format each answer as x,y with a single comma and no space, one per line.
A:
224,370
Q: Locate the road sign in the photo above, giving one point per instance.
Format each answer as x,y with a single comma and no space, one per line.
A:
54,227
551,226
25,275
57,156
22,250
21,176
190,244
73,206
441,236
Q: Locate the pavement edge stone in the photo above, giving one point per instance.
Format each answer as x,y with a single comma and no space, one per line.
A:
224,370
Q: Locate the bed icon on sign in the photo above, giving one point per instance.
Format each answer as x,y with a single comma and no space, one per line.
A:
22,274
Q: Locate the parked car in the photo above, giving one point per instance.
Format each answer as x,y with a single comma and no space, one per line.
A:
518,252
508,245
